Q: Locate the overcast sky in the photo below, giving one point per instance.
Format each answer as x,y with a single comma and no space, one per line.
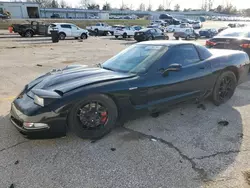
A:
155,3
194,4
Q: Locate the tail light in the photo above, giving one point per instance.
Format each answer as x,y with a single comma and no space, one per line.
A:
210,43
245,45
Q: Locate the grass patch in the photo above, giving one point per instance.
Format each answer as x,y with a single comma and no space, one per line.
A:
4,24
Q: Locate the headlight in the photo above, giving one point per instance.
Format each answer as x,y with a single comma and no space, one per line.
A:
38,100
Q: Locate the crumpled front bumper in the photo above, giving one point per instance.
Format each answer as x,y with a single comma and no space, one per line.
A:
55,123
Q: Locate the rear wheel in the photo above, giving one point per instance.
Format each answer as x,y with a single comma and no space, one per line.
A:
150,38
62,36
124,35
29,33
187,38
224,88
116,36
177,38
93,117
167,37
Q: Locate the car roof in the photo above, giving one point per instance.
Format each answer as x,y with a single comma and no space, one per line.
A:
63,23
167,43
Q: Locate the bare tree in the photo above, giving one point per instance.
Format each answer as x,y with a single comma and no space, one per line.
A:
210,4
177,7
63,4
43,3
168,4
142,7
204,5
85,3
160,8
149,7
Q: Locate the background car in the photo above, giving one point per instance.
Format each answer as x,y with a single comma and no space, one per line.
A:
145,77
55,16
124,31
208,33
222,29
234,39
68,30
150,34
186,33
197,25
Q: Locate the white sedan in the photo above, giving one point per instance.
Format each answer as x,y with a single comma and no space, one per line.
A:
124,32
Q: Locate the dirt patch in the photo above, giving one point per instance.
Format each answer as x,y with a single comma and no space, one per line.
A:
68,62
247,176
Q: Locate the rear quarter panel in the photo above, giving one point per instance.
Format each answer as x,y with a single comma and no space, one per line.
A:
236,61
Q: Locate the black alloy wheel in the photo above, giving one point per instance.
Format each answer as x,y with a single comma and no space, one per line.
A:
224,87
93,117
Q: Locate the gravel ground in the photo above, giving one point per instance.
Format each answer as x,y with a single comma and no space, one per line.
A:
182,148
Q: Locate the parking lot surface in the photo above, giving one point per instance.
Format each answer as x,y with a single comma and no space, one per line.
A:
187,147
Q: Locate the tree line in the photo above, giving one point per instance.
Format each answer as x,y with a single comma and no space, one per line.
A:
206,5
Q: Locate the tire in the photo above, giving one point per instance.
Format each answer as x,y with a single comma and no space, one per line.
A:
167,37
187,38
84,36
219,96
112,33
96,31
116,37
94,132
62,36
124,35
177,38
29,33
150,38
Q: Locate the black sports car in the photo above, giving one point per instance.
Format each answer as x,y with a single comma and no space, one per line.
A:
234,39
146,77
150,34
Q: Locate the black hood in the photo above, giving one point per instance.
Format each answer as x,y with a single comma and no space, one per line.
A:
68,79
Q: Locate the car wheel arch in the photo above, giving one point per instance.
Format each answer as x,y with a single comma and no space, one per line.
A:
234,70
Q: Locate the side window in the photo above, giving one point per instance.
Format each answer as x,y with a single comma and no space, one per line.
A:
152,31
97,24
183,54
204,53
158,31
66,26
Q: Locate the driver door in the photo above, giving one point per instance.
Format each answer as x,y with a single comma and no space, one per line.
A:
181,76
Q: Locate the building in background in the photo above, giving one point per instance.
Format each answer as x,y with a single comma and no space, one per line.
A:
72,13
18,10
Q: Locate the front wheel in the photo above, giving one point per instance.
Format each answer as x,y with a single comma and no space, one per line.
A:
177,38
167,37
224,88
84,36
93,117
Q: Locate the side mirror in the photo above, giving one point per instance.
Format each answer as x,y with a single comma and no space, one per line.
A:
173,67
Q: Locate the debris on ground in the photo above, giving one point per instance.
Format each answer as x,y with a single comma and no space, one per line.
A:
241,135
181,161
12,186
113,149
80,40
12,47
247,177
39,65
17,162
182,114
201,106
154,140
51,49
93,141
223,123
149,129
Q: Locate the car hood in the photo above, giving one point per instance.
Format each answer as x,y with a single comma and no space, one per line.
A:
69,79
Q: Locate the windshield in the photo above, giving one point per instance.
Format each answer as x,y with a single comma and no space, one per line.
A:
233,33
135,59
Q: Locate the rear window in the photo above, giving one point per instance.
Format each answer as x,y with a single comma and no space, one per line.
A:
233,33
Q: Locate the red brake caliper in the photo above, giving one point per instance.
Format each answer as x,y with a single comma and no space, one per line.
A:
104,117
